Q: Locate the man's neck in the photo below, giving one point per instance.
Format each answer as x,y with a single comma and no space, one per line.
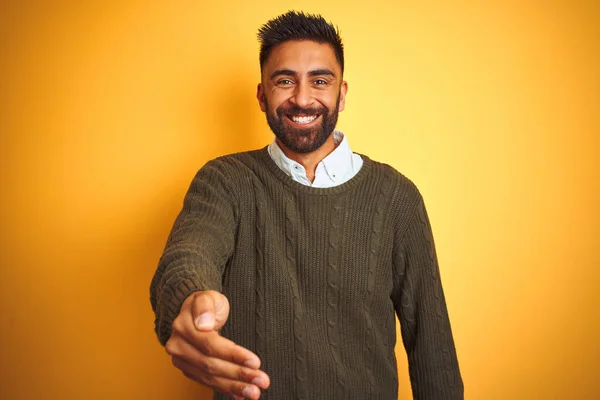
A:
310,160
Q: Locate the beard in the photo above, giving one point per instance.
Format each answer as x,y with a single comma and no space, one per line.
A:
303,140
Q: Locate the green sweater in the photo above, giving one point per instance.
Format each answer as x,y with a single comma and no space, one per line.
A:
314,277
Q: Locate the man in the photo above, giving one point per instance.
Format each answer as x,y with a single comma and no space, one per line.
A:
283,271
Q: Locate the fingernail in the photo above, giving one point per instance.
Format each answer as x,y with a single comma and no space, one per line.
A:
204,321
248,392
260,382
252,363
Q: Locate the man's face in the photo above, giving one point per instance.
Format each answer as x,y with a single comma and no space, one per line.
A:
301,93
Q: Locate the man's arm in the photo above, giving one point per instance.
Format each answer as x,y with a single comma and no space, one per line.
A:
198,247
185,291
421,307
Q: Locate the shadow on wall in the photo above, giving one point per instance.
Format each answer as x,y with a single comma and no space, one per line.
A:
233,111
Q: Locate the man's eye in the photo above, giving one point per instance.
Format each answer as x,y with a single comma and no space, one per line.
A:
285,82
320,82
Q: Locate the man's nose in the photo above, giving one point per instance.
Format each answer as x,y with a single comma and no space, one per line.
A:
302,96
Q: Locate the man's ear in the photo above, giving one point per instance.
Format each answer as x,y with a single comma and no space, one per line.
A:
260,95
343,91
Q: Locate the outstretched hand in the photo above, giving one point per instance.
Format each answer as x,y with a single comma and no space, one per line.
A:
197,349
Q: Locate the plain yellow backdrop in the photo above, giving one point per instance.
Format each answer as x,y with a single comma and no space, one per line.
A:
108,108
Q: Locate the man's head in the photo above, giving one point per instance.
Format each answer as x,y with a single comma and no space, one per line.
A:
299,26
302,88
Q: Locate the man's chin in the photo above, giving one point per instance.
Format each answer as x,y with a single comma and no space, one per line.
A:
303,144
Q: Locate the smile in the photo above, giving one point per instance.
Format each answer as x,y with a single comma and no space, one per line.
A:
304,119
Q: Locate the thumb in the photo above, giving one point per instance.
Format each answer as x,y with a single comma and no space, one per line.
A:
210,310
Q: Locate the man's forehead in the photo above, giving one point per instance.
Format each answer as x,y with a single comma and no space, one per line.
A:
302,56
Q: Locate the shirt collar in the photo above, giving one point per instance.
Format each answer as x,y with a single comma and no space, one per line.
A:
339,159
334,165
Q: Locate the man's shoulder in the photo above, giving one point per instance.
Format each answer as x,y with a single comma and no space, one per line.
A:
241,156
394,177
236,162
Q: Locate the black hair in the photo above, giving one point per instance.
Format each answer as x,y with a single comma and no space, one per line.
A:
295,25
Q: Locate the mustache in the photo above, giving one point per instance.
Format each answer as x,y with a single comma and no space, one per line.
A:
295,110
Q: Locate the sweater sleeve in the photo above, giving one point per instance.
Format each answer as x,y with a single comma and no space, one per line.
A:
199,245
421,307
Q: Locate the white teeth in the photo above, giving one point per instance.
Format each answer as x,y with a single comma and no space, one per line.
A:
304,120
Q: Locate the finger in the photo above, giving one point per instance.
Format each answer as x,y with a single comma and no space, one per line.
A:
235,388
221,309
230,387
211,344
219,367
225,369
203,311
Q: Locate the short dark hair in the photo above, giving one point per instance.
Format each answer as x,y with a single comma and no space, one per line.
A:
295,25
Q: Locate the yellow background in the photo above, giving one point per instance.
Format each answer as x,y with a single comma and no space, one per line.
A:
108,108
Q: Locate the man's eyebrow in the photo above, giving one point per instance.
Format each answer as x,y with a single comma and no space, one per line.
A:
283,72
314,72
319,72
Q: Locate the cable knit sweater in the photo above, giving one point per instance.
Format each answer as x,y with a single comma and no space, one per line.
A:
314,277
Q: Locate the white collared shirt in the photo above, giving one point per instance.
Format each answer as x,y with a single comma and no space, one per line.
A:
338,167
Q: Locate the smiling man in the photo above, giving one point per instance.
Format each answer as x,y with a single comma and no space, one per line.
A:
284,271
302,104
